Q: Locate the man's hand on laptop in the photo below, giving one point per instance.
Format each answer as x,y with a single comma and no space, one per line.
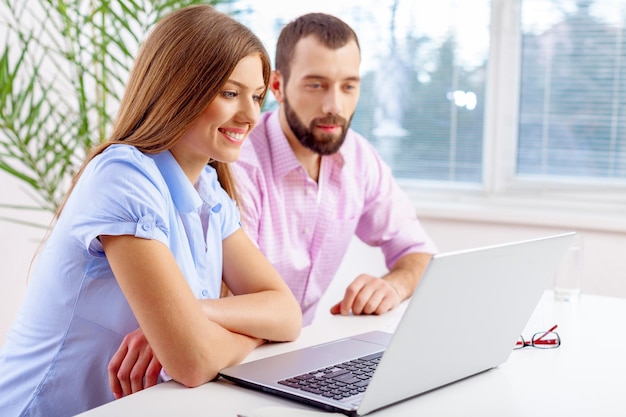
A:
368,295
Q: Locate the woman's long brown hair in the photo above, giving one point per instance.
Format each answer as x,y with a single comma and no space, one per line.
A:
180,68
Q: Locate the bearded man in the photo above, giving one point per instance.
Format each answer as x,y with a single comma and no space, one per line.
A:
308,183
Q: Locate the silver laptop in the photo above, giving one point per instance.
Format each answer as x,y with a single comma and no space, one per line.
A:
464,318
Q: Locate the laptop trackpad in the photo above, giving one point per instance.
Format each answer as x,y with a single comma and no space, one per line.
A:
378,337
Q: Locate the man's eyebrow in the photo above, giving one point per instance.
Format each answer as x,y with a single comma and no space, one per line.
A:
321,77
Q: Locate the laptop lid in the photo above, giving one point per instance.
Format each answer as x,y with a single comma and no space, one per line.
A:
463,318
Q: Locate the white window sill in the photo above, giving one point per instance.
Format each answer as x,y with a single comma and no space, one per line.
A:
606,212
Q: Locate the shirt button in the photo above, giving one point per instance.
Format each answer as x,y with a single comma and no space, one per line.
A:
205,293
306,231
146,226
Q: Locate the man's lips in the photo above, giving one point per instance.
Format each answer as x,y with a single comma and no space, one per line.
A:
329,128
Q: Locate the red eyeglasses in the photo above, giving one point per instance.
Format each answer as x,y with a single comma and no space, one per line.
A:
542,340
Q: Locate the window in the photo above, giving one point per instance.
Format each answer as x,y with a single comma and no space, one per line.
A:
572,119
422,95
499,109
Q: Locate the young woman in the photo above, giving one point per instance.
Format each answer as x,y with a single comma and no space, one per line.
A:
147,233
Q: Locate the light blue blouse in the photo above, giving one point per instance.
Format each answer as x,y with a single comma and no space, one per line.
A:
74,315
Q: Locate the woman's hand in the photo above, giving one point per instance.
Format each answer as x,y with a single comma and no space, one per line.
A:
134,366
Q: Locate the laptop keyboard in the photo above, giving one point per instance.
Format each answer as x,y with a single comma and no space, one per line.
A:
339,381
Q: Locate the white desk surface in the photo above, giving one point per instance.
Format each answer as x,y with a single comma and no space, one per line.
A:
586,376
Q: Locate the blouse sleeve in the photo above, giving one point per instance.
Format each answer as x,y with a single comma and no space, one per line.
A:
121,192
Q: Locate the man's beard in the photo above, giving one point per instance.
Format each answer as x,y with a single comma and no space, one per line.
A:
322,144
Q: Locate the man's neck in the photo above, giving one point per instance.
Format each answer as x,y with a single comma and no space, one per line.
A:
309,160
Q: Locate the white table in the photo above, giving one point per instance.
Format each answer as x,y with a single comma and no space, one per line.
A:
586,376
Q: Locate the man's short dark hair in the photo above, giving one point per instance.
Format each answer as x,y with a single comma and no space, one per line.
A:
331,31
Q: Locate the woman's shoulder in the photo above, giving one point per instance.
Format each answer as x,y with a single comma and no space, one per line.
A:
123,153
122,167
123,159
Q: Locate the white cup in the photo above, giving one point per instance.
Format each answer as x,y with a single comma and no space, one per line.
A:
569,275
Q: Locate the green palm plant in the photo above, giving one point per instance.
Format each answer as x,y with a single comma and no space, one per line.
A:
62,71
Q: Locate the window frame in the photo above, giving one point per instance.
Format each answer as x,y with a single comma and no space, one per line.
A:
504,196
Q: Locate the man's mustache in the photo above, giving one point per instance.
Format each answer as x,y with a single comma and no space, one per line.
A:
330,120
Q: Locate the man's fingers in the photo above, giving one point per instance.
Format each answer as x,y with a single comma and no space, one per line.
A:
359,293
369,302
352,292
369,295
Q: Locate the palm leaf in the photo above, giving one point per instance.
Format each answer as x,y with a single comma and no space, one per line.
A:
61,77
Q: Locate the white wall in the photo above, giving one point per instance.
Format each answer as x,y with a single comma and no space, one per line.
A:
604,268
604,252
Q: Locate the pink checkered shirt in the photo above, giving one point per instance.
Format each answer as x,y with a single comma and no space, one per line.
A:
305,227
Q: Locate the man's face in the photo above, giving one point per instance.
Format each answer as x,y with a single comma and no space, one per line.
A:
321,94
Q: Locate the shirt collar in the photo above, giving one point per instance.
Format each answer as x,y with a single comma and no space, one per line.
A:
185,197
283,158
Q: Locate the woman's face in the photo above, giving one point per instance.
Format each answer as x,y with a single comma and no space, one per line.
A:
222,128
